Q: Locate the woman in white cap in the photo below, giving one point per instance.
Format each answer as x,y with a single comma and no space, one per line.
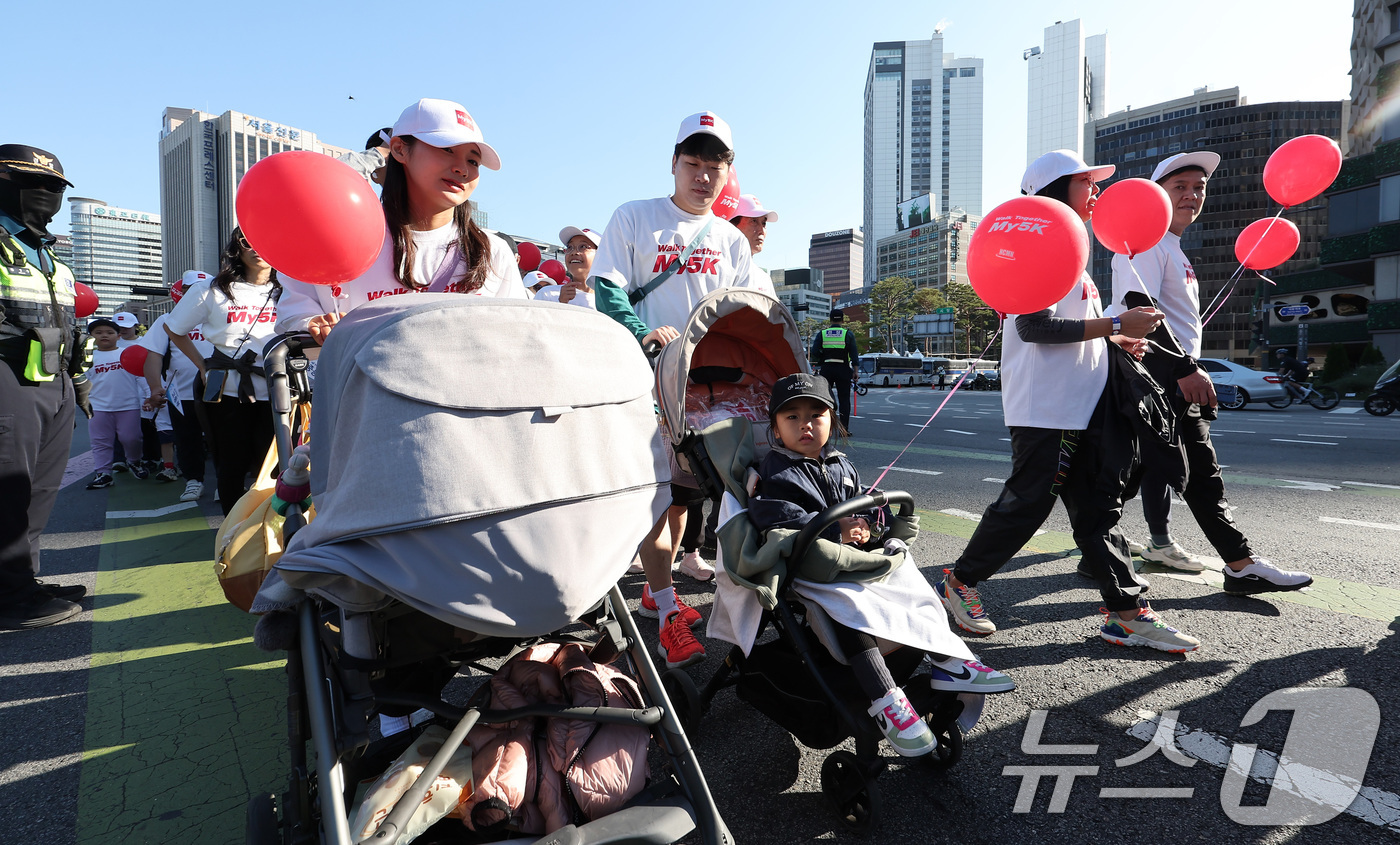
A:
1057,408
431,244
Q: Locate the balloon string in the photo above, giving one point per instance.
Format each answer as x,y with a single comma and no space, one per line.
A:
1140,282
956,385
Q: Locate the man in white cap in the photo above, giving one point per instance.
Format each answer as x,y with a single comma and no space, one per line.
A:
580,245
752,219
1164,276
656,260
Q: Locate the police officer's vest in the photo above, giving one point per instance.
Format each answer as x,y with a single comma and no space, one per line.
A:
833,346
33,300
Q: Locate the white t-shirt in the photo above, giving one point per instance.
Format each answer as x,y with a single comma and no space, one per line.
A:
762,281
113,388
1055,385
179,377
248,318
551,294
1167,274
646,236
302,301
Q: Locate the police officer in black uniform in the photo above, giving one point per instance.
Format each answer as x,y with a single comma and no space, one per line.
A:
835,354
40,385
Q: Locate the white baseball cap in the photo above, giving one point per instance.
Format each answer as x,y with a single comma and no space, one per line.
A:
749,206
1058,163
125,319
194,277
708,123
536,277
1203,159
568,233
443,123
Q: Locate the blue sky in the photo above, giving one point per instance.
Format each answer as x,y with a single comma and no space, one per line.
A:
582,101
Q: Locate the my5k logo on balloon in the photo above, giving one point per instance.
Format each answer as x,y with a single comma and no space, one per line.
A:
1035,227
1316,776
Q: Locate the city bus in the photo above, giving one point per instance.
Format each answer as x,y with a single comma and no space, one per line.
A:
882,369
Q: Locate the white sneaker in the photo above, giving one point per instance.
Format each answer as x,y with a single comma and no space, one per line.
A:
1134,547
1260,576
697,567
908,734
1172,555
193,490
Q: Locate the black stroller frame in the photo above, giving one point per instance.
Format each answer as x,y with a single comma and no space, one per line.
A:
329,701
848,780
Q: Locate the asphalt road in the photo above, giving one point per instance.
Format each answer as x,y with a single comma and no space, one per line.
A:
150,718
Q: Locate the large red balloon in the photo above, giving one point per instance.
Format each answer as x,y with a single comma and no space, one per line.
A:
1302,168
133,359
727,205
528,256
1132,216
554,269
85,302
313,218
1027,254
1267,243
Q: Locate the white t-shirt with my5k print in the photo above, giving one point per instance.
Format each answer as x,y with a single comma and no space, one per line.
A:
644,237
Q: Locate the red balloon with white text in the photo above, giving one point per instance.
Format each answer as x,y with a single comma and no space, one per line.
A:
1027,254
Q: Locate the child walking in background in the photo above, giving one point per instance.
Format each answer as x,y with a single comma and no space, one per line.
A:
804,475
116,405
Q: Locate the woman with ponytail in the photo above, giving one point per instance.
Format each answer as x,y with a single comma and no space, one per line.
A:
431,242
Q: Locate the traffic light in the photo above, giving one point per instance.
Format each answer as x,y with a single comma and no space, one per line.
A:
1259,331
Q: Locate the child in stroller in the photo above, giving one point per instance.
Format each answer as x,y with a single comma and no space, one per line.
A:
802,476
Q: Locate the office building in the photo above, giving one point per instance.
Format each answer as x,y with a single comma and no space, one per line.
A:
202,159
116,252
800,289
923,133
1067,86
932,255
63,249
1375,48
1244,135
840,255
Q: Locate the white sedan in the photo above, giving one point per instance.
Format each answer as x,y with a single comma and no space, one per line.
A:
1251,385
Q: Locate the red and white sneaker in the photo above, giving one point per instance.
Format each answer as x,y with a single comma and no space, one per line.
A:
677,644
689,615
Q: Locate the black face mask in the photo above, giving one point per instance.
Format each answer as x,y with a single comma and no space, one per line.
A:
32,202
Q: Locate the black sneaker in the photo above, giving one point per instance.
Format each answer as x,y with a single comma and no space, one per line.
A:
119,466
139,470
99,481
40,610
67,593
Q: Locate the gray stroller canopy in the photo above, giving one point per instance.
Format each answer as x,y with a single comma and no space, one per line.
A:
492,463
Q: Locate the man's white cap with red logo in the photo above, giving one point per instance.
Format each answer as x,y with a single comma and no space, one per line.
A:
1058,163
125,319
1203,159
182,285
749,206
443,123
707,123
536,279
568,233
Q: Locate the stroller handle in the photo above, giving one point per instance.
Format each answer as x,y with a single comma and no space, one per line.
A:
275,354
869,501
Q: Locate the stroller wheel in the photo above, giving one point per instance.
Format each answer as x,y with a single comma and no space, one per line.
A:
950,747
685,698
263,828
854,793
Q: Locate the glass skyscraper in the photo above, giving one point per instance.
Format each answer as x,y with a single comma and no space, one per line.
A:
116,252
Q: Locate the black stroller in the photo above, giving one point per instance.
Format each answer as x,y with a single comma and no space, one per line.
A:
713,385
356,622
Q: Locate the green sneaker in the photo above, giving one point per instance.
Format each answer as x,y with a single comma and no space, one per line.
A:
1146,630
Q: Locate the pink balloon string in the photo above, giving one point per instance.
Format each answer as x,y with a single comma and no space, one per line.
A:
970,368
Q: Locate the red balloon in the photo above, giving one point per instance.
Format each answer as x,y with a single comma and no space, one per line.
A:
1267,243
85,302
1132,216
553,269
1027,254
1302,168
311,217
133,359
528,256
727,205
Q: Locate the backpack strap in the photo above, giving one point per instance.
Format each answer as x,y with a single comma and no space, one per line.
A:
674,267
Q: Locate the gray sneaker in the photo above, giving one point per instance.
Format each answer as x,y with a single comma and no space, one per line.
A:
1147,629
167,474
964,604
1173,556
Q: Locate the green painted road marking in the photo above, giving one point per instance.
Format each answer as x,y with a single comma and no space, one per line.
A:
185,717
1348,597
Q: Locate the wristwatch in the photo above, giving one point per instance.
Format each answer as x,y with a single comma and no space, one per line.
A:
1117,325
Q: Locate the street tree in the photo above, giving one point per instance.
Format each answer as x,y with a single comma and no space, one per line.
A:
972,317
891,302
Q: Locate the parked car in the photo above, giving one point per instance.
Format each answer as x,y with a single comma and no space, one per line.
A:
1251,385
